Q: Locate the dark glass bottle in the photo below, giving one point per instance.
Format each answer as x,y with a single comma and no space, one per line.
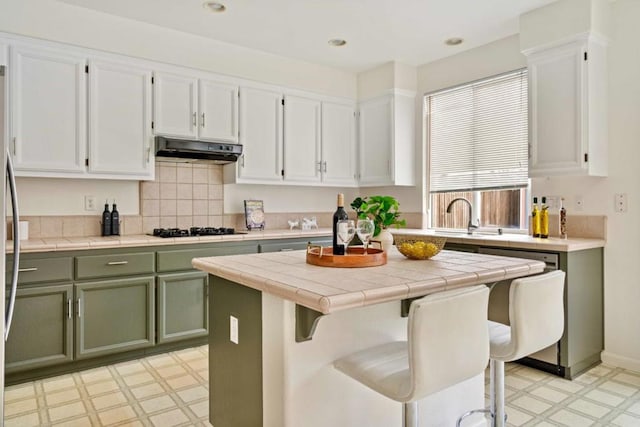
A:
115,221
106,221
340,214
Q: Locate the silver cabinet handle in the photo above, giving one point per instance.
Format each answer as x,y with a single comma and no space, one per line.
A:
242,162
319,166
26,270
202,123
118,262
79,309
324,166
195,119
69,309
286,249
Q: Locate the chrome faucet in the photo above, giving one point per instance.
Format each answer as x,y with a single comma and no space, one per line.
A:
471,226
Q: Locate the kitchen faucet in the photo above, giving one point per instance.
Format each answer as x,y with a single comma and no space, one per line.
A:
471,226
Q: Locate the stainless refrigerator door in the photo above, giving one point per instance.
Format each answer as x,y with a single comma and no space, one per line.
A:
3,237
16,247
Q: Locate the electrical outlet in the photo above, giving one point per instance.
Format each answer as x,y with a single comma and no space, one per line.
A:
579,203
620,202
233,329
89,203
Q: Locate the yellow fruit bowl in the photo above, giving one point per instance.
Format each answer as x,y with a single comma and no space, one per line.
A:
419,247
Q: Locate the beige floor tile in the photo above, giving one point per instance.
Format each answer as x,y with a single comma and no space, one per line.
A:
635,408
102,387
28,420
604,397
629,378
157,404
192,394
64,396
108,400
148,390
531,374
571,419
116,415
169,419
69,410
625,420
587,378
198,364
20,391
189,354
129,368
544,424
161,360
566,385
601,370
80,422
58,383
95,375
182,382
200,409
531,404
137,379
615,387
20,406
516,417
517,382
549,394
589,408
171,371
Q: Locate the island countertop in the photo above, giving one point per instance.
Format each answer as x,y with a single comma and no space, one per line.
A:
327,290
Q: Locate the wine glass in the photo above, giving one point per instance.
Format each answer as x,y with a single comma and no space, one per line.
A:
365,231
346,230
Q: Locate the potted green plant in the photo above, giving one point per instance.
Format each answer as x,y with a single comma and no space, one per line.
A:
384,211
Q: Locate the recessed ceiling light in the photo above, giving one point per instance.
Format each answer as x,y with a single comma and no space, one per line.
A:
214,6
453,41
337,42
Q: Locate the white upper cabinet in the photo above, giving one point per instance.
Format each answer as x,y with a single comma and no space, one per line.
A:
387,141
175,105
302,161
48,110
120,138
218,104
260,136
338,145
188,107
568,109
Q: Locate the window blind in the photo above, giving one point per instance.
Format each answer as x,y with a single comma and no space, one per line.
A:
477,135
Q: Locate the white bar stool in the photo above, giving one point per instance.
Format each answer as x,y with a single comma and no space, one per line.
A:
448,342
536,316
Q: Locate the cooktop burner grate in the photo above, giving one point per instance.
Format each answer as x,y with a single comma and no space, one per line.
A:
193,231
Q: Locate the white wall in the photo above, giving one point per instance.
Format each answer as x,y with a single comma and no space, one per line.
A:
53,20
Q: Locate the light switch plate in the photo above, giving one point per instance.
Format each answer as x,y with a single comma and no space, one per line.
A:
233,329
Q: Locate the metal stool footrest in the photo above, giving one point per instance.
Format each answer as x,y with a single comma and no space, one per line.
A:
479,411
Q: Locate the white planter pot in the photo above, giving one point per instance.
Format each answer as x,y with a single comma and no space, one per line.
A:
386,238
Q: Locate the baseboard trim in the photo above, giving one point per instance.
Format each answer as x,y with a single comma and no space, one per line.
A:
616,360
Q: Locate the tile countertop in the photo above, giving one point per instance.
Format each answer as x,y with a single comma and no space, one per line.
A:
97,242
327,290
516,241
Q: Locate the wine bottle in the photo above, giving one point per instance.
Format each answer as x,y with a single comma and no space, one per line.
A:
115,221
339,214
563,220
535,219
544,219
106,220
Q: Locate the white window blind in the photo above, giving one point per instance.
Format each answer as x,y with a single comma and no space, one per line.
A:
477,135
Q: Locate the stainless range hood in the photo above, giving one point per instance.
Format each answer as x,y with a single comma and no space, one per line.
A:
221,152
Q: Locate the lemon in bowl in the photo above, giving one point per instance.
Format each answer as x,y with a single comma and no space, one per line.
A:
419,247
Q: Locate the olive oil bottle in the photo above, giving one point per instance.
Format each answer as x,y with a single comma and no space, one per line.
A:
544,219
535,218
563,220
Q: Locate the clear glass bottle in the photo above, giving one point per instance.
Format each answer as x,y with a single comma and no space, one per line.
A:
535,218
563,220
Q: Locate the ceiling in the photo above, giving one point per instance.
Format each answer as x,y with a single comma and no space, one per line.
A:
377,31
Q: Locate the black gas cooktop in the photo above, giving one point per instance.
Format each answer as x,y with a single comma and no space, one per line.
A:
193,231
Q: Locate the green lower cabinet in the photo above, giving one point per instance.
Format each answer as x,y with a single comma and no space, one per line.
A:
183,309
41,332
114,316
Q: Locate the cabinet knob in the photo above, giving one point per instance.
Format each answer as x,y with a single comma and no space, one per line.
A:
195,119
202,123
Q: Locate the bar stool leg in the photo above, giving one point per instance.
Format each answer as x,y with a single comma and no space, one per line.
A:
410,414
497,393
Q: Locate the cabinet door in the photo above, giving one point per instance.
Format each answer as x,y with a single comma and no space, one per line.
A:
375,142
218,105
302,140
120,120
41,333
556,84
114,316
48,110
260,135
338,145
183,308
175,105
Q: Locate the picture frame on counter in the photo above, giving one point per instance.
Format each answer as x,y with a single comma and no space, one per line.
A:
254,214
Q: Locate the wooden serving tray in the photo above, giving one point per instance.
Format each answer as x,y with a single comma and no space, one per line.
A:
355,257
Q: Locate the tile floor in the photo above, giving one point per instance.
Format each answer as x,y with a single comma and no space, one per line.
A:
172,390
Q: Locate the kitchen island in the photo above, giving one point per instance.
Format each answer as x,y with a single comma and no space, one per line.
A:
277,324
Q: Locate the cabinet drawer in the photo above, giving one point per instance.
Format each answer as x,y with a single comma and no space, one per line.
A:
290,246
181,259
89,267
42,270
